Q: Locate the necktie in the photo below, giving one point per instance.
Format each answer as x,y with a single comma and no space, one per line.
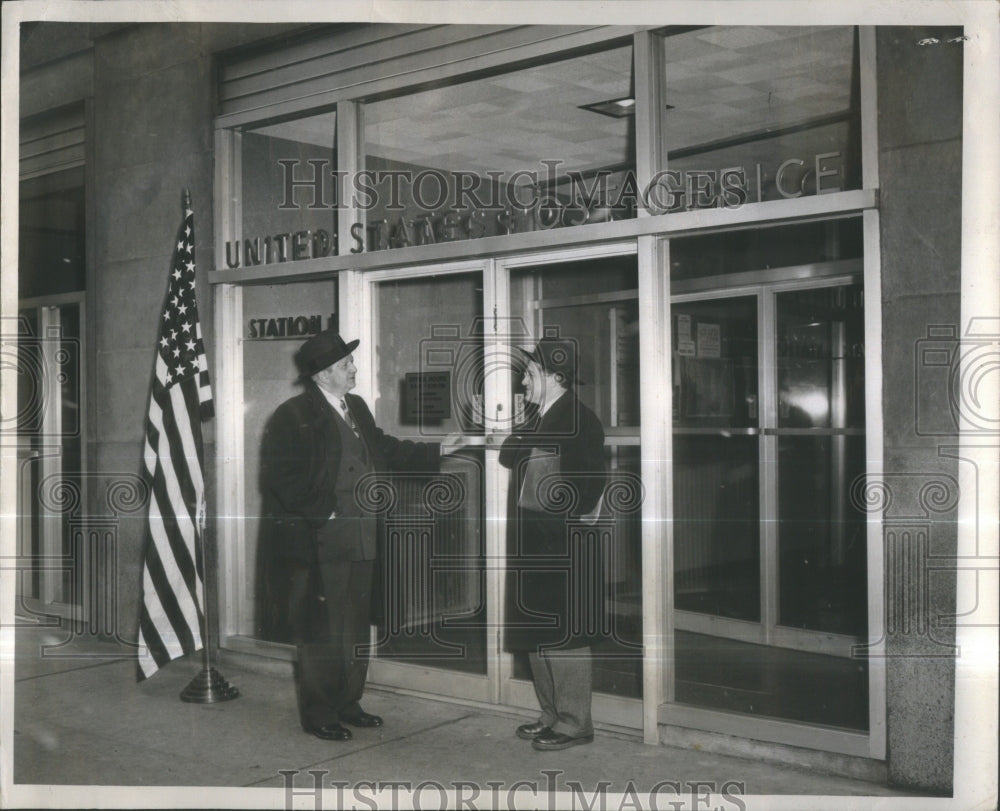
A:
348,418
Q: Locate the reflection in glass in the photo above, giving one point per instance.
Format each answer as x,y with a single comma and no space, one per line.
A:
51,235
430,382
49,428
717,525
821,534
822,547
618,659
499,154
434,326
813,429
289,197
70,364
432,579
754,113
716,475
821,358
593,302
31,400
715,363
760,680
757,249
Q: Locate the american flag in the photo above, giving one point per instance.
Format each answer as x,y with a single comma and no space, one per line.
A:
173,598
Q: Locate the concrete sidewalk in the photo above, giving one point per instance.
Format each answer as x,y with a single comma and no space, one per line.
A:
87,722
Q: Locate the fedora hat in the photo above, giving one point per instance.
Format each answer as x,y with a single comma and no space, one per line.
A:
557,356
322,350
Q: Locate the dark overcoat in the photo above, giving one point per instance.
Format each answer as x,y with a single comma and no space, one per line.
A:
555,584
300,460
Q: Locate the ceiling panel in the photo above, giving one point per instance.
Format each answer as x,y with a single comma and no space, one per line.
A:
720,81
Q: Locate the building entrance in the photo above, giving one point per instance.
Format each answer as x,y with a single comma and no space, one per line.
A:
52,550
448,348
770,581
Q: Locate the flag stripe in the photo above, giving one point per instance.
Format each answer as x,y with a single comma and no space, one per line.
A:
163,641
177,456
182,419
151,648
176,586
175,464
173,611
171,547
170,511
167,491
155,618
180,399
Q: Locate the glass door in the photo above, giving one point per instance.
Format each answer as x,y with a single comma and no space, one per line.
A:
818,442
769,552
52,502
447,352
591,298
717,460
429,379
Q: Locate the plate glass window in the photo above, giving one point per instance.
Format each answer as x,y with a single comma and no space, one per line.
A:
532,149
756,113
288,192
430,383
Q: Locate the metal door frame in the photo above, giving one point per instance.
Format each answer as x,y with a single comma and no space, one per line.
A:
49,455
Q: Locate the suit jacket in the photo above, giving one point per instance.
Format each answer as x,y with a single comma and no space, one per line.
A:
554,584
300,460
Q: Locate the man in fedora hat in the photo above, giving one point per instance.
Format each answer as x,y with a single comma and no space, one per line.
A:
554,598
316,449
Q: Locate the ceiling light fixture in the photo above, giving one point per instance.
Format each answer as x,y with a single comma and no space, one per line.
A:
615,108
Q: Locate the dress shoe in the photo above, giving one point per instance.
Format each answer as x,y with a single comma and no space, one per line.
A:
331,732
557,740
528,732
360,718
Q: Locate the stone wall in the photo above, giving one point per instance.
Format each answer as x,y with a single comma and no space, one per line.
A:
920,174
153,136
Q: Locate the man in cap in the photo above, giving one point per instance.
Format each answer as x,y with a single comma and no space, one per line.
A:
317,448
554,603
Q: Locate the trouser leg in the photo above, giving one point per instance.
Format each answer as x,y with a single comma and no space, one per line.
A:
317,666
571,673
541,677
355,627
333,661
317,676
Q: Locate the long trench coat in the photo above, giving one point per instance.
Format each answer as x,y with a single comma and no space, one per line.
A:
555,584
300,459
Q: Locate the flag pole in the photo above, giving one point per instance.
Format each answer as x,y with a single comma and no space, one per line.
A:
209,686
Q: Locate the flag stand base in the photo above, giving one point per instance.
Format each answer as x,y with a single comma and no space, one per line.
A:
208,687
